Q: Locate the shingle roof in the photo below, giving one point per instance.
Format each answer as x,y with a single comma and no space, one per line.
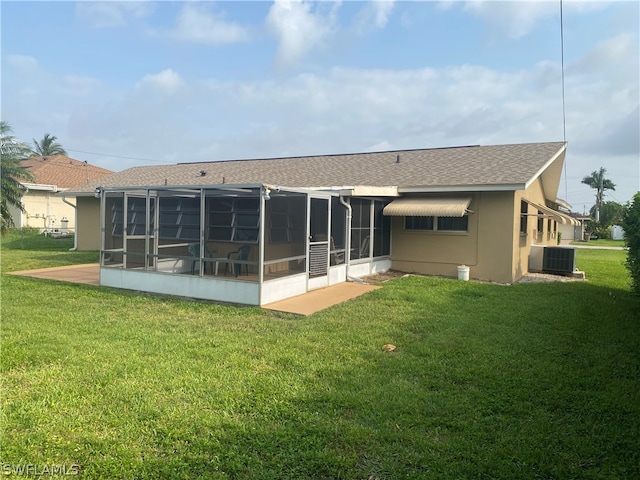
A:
471,167
62,171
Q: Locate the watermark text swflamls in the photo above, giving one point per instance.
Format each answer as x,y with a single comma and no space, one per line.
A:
33,470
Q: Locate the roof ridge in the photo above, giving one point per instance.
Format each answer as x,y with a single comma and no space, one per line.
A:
360,153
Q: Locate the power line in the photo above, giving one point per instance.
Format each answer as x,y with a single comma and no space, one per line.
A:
564,115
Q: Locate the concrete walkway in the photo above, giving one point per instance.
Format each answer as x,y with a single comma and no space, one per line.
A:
597,247
316,300
311,302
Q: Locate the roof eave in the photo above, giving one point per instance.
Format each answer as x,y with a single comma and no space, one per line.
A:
43,187
563,148
463,188
67,193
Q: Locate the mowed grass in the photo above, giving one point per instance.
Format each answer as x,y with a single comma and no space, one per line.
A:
526,381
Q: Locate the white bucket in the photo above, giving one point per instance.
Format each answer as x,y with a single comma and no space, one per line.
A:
463,273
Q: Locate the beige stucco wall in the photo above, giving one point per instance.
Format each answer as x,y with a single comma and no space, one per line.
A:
44,210
432,252
495,237
88,231
522,242
493,247
484,248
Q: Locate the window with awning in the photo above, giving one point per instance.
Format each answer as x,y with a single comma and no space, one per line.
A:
428,207
547,212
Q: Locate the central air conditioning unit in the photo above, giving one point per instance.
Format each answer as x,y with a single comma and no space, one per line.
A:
559,260
556,260
536,256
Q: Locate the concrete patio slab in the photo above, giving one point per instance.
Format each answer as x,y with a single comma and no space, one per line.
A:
305,304
88,274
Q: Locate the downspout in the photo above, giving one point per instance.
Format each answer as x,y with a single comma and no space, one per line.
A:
347,253
75,225
22,214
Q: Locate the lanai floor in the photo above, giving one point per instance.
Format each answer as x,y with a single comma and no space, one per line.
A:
306,304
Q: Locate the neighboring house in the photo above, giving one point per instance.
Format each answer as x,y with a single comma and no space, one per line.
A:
257,231
45,205
574,232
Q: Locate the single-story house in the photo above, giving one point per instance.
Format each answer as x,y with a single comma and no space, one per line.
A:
46,206
257,231
575,231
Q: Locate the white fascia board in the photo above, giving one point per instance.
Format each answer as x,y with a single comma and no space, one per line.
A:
463,188
66,193
368,191
360,190
546,165
40,187
563,203
327,191
342,189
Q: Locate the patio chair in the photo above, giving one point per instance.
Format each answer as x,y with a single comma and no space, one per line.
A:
337,257
364,247
194,251
240,255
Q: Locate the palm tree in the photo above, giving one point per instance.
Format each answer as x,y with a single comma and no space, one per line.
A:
596,180
47,146
11,190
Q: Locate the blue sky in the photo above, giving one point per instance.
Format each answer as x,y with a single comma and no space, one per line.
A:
123,84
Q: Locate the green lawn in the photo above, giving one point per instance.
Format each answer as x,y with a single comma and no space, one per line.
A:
529,381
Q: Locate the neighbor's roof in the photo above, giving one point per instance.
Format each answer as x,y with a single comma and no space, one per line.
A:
62,171
473,167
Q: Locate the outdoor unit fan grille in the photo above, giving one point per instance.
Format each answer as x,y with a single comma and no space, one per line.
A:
559,260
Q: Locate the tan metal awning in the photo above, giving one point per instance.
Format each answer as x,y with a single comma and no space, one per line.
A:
427,207
557,216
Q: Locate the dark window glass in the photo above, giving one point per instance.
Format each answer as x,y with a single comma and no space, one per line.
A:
245,235
418,223
189,233
247,220
190,218
360,228
247,204
220,233
179,218
453,224
222,204
524,210
381,231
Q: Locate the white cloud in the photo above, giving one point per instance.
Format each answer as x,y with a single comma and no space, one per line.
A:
80,86
374,14
297,28
166,81
618,52
22,62
196,24
341,110
516,18
110,14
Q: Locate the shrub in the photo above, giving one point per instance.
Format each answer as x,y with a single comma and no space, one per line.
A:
631,226
598,230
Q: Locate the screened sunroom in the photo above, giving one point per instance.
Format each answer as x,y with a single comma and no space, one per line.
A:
250,244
